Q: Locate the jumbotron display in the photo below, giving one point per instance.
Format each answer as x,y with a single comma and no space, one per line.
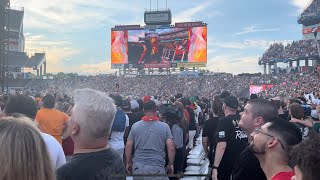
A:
159,48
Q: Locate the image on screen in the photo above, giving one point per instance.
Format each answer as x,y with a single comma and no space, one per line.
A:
159,46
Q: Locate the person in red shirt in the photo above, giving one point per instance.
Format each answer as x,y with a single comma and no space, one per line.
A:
270,145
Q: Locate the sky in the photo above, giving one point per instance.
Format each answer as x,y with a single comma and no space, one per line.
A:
75,34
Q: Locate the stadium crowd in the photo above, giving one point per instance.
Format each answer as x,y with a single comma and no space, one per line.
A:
297,49
149,124
284,85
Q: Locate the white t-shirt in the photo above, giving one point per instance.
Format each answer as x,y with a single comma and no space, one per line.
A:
55,150
313,99
116,138
198,111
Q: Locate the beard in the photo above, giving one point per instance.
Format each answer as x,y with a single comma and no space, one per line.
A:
252,148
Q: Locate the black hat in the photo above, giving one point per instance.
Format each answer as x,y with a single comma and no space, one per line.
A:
173,110
224,94
126,104
253,96
231,102
118,100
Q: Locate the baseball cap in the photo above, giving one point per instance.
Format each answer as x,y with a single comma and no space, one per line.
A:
146,99
231,102
224,94
126,104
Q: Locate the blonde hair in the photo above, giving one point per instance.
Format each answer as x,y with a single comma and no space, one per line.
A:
23,153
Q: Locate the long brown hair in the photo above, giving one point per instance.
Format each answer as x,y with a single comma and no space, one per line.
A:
23,153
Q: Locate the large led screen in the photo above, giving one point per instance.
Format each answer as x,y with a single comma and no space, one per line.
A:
159,48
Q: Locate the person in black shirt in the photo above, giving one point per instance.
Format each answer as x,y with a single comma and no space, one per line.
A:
231,141
133,117
89,127
279,104
209,132
139,111
298,118
256,113
91,166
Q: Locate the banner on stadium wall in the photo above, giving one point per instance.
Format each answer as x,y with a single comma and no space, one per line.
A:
309,30
255,89
188,24
190,65
126,27
157,65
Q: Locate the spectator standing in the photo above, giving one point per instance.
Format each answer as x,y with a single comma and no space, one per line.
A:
307,157
296,112
50,120
209,132
26,106
149,138
24,154
119,126
231,140
271,144
256,113
89,127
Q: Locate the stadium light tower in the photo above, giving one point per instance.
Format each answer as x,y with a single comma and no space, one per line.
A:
4,40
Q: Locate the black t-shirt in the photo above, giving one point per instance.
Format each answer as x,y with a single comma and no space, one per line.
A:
236,139
192,123
92,166
283,116
303,129
209,130
248,167
140,114
133,118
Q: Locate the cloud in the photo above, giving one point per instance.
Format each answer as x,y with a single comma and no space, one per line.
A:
191,13
42,41
301,4
241,45
73,14
101,67
245,44
253,29
57,51
231,63
56,58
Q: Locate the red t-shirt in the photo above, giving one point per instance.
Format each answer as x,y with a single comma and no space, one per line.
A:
283,176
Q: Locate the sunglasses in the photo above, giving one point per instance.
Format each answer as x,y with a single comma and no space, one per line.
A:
259,130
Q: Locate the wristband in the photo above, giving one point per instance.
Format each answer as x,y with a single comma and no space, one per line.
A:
215,167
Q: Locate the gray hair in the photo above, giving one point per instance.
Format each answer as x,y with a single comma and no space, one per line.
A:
97,112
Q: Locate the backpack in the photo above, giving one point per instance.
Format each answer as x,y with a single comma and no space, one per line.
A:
119,123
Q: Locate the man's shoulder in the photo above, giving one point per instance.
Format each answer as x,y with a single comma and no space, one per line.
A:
230,120
81,166
232,117
247,167
141,122
247,156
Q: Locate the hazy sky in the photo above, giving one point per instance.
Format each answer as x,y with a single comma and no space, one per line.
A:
75,34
